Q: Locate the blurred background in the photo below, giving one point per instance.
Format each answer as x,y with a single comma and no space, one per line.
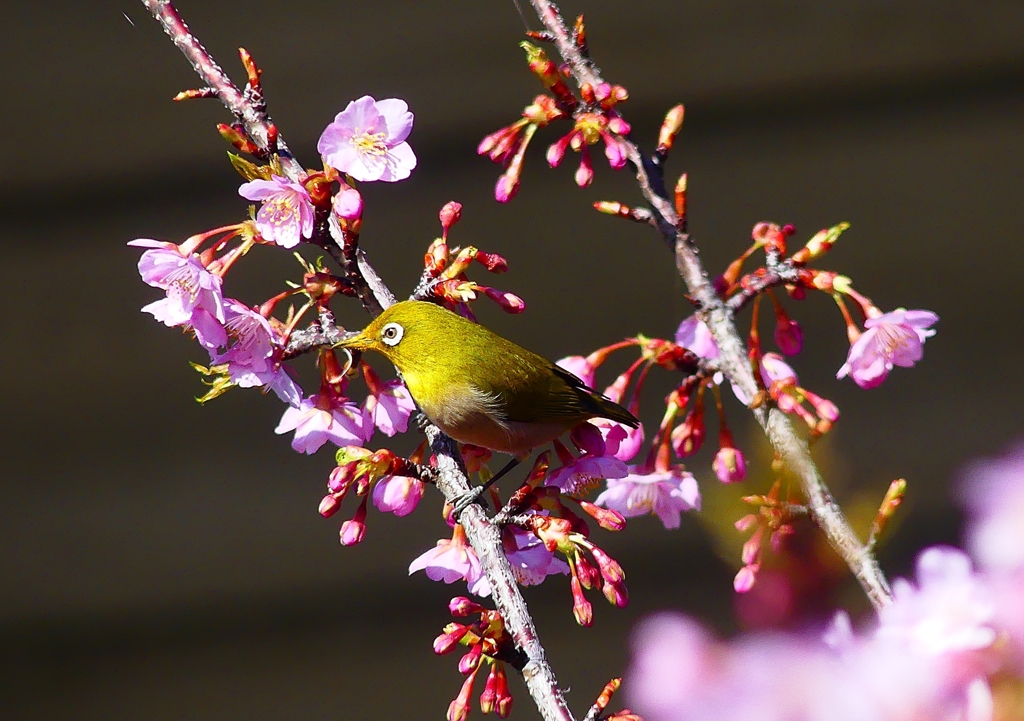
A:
160,560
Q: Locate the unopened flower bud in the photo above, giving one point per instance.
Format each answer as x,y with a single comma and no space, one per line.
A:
492,261
670,128
606,518
788,335
450,214
354,530
509,302
329,505
729,465
472,659
460,606
506,188
348,204
820,244
688,436
581,608
453,633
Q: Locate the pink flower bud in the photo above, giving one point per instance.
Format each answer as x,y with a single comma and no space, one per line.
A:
581,608
588,574
471,660
585,172
348,204
353,530
616,594
729,465
329,505
509,302
492,261
556,151
490,692
745,578
450,638
460,606
458,710
619,126
450,214
506,188
688,436
788,335
606,518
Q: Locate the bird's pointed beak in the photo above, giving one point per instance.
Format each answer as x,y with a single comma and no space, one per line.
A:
353,340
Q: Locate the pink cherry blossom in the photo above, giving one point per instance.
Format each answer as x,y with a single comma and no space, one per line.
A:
530,559
695,335
895,338
253,356
194,296
389,407
580,367
665,493
582,473
451,560
367,140
993,492
397,494
773,368
325,417
286,216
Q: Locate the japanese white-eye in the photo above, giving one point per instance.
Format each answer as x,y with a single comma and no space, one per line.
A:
478,387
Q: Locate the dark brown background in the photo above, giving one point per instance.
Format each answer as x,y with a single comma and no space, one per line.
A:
165,561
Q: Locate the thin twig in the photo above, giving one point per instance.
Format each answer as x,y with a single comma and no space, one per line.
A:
732,353
451,479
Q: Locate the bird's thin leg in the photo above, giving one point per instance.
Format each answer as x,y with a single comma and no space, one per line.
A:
472,495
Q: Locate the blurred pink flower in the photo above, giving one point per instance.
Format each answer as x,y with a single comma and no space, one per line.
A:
665,494
729,465
325,417
451,560
193,297
367,140
895,338
993,492
286,216
620,440
397,494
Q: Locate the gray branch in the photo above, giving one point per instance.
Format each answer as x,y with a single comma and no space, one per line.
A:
792,449
483,535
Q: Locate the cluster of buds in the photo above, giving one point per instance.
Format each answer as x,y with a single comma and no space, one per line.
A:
593,114
600,571
395,483
444,271
774,519
489,644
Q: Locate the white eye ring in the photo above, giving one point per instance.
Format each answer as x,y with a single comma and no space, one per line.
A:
392,334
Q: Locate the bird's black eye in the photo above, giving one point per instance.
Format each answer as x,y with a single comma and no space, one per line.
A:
392,333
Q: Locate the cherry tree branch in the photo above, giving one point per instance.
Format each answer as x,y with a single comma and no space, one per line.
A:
452,480
719,316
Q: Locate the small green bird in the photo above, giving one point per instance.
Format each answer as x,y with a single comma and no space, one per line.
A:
478,387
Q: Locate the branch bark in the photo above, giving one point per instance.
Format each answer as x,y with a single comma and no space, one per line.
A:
482,534
792,449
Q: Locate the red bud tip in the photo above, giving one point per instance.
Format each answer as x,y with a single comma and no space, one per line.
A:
450,214
195,93
579,35
680,197
237,137
606,518
272,134
581,607
252,72
613,207
492,261
541,36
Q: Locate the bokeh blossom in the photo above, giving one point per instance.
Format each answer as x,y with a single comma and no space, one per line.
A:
366,140
891,339
286,216
993,492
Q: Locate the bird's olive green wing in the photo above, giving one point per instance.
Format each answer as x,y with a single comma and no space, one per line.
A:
552,394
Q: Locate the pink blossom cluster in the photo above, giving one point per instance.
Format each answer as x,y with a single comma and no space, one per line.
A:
948,638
